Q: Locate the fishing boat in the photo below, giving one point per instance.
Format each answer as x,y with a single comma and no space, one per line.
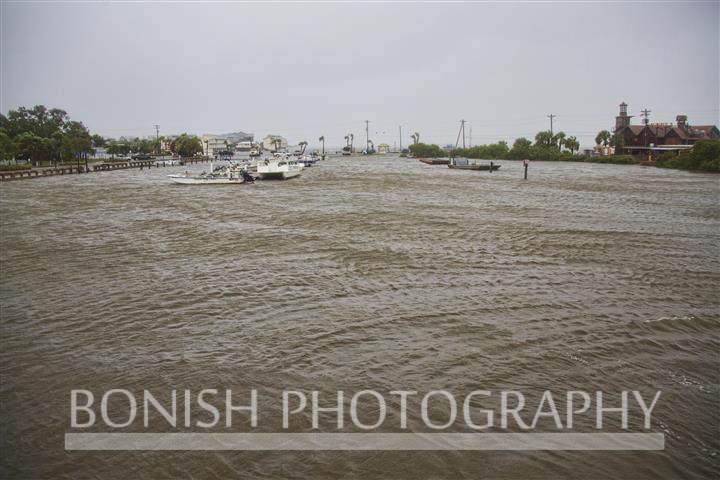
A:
462,163
224,175
435,161
279,167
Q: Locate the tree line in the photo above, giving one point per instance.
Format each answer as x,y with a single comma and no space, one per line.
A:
547,146
704,156
39,135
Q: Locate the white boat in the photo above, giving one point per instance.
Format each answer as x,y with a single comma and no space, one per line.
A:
206,180
279,167
228,175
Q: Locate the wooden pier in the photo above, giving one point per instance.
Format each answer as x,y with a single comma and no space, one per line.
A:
101,167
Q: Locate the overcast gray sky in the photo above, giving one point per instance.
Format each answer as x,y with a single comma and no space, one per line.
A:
308,69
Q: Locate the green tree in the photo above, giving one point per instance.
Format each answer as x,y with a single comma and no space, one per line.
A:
558,140
33,147
520,149
41,134
544,138
572,144
76,141
8,148
423,150
303,146
603,138
617,141
37,120
98,141
188,145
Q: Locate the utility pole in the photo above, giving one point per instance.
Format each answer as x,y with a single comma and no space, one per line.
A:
645,113
462,126
646,120
400,128
470,138
551,116
157,137
367,136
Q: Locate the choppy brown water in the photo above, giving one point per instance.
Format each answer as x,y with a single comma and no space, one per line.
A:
379,273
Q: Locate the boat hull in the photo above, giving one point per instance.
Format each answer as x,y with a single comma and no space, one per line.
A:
484,168
279,175
182,180
435,161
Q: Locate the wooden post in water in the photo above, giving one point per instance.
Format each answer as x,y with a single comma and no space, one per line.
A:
525,163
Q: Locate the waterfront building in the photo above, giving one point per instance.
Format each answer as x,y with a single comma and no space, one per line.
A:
226,142
213,144
383,148
648,137
274,143
244,146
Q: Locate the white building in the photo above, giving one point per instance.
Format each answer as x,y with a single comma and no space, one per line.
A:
243,146
225,142
214,144
274,143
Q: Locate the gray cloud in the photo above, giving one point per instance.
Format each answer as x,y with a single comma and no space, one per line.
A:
308,69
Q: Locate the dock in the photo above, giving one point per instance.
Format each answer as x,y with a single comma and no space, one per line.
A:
101,167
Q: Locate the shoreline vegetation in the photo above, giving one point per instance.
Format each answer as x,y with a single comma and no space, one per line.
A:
42,137
704,156
47,137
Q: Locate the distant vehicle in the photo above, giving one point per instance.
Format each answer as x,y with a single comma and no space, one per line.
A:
141,156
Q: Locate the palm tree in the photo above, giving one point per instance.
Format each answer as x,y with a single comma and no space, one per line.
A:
572,144
302,146
322,139
603,138
543,138
559,140
352,137
276,143
416,137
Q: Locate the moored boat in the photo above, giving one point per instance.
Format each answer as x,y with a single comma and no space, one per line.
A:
435,161
280,167
461,163
227,175
206,179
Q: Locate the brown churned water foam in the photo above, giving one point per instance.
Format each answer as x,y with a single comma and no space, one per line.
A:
365,273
